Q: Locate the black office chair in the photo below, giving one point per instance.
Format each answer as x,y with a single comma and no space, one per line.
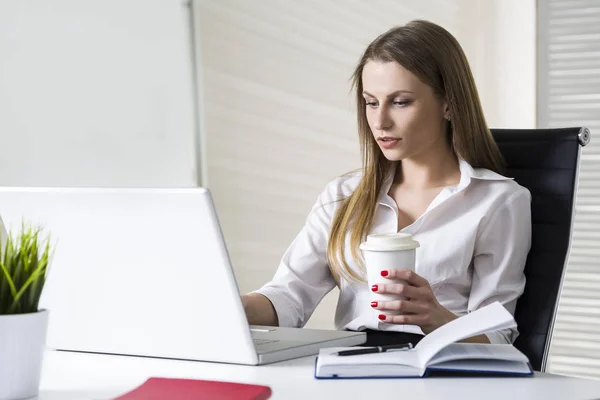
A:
545,161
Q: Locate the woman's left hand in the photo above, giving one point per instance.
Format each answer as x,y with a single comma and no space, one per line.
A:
421,308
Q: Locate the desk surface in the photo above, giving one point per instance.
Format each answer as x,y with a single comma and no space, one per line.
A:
76,376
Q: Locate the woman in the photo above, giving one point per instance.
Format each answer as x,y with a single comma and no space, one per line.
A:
430,168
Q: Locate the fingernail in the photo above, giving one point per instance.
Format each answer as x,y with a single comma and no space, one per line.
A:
374,288
384,273
382,317
373,304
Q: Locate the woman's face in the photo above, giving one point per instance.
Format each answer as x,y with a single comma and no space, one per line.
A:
404,114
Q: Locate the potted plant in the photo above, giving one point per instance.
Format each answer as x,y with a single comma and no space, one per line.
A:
24,259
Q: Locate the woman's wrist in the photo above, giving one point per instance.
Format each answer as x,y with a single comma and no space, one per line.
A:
445,316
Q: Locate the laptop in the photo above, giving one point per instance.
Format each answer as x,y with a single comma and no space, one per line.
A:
145,272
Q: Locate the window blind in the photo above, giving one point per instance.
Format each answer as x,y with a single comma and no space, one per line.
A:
569,95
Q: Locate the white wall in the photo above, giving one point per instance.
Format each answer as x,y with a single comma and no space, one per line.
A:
96,93
500,39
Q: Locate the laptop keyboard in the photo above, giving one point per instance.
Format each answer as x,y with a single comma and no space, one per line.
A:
262,342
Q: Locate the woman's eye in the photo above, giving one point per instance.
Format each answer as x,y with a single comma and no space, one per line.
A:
401,102
371,104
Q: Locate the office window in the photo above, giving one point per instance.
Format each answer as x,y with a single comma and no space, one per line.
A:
569,95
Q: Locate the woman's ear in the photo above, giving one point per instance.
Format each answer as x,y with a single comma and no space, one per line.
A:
446,109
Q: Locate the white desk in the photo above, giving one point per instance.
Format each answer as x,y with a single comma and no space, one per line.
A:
73,376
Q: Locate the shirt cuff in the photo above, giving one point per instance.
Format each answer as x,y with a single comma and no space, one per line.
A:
284,310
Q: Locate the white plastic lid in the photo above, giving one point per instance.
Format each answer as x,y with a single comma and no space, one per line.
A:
389,242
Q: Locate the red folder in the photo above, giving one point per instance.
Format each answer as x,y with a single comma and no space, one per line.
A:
192,389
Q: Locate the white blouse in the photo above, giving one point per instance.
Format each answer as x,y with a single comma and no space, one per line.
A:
474,240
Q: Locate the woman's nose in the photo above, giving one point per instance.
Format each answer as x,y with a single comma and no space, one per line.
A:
383,122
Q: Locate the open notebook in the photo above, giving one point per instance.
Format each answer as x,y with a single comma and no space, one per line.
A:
435,352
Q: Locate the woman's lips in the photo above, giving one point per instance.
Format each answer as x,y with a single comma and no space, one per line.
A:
388,143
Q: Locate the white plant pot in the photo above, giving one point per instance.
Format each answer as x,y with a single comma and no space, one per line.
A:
22,345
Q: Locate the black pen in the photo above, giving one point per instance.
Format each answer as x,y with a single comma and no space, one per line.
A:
376,349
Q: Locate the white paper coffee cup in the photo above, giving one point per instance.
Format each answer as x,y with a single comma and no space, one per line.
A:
386,252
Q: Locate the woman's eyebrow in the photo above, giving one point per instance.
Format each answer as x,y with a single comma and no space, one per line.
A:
396,93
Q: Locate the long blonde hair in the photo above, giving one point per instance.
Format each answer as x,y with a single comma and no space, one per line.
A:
432,54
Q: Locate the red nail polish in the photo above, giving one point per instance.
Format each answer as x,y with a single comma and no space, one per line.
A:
382,317
373,304
374,288
384,273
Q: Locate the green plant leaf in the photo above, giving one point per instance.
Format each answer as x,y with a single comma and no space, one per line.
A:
4,287
23,265
11,285
32,278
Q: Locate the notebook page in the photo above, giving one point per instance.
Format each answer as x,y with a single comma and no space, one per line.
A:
490,318
371,371
478,351
328,358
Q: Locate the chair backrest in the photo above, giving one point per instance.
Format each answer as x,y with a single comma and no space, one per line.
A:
545,161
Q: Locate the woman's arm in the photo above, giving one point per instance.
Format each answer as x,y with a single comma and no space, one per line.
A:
259,310
500,255
303,277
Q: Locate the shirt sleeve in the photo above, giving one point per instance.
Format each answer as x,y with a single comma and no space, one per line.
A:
500,254
303,277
